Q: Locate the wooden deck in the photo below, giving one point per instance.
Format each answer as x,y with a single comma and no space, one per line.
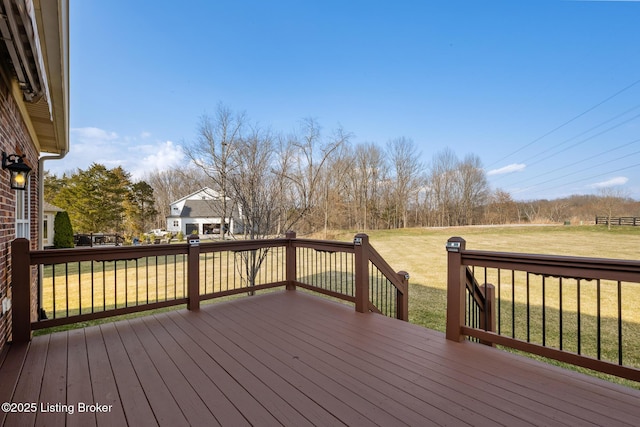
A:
288,358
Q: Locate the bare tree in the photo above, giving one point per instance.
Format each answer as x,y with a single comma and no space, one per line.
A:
312,153
473,189
214,152
366,174
532,210
407,176
441,184
254,185
501,209
612,200
274,180
333,180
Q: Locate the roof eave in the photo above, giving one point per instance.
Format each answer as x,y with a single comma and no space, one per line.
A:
51,120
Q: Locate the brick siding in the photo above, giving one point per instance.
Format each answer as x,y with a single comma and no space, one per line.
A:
14,138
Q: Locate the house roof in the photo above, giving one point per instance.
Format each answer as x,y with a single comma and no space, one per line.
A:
204,192
36,36
48,207
206,209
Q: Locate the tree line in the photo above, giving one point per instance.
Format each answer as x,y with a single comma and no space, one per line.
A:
310,180
316,180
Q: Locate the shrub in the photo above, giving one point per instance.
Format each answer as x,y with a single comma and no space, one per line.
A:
62,231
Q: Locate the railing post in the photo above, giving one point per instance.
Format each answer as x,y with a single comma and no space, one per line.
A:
193,273
488,315
402,298
361,248
455,288
291,260
21,290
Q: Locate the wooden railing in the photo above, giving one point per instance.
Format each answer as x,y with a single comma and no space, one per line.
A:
577,310
77,285
353,272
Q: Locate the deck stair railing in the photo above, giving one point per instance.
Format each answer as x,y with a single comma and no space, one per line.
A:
77,285
353,272
577,310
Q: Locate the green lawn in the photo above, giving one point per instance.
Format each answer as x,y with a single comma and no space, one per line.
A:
421,252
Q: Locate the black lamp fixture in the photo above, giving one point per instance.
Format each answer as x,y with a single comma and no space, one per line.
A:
18,168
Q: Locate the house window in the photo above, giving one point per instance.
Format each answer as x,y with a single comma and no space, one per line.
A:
23,209
45,228
176,223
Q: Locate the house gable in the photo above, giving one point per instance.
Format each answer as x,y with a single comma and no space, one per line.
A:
206,193
201,211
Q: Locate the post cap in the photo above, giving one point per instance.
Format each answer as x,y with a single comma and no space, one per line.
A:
360,239
455,244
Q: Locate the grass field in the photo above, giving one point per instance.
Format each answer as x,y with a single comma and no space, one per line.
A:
421,252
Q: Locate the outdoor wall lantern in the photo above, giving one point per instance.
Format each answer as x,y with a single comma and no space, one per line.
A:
18,168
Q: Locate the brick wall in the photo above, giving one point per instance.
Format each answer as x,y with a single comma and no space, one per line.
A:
14,138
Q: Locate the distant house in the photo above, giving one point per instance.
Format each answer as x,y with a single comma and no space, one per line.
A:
49,216
201,212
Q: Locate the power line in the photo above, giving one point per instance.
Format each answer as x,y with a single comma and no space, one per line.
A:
577,172
581,161
566,123
584,133
579,142
582,179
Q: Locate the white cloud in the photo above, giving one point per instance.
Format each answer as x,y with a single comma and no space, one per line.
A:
619,180
514,167
93,134
137,154
160,156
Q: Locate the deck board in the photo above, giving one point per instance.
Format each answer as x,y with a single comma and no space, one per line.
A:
134,402
540,386
248,377
77,371
422,390
299,402
223,412
27,389
218,377
289,358
385,395
11,366
381,338
162,403
187,400
102,380
54,382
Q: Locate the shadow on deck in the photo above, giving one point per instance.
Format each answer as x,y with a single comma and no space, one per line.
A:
289,358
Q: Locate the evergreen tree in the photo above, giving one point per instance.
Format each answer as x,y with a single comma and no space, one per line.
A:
140,205
95,198
63,232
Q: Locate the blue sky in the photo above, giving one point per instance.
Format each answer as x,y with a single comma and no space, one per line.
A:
545,92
